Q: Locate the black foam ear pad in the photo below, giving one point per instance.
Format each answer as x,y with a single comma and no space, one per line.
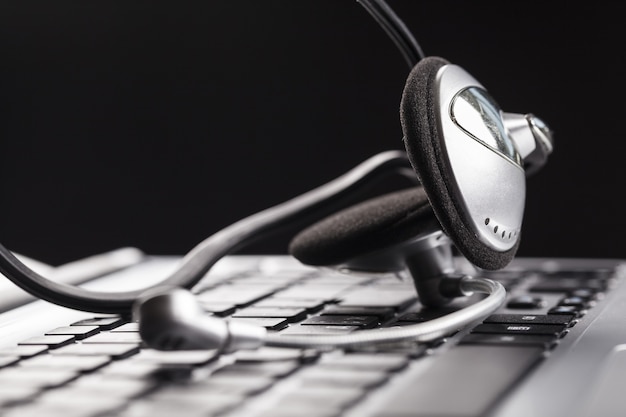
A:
419,114
366,227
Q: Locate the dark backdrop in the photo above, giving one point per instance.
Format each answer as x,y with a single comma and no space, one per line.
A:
154,124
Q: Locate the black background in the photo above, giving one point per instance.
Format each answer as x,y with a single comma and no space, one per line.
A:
154,124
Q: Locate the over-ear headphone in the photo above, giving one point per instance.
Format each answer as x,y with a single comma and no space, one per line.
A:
470,159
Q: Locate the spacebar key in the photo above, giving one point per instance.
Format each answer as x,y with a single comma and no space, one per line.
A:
463,382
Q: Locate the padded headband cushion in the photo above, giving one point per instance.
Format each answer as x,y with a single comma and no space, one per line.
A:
366,227
420,125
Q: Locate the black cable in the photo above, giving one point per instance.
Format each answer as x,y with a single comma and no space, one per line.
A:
395,29
305,208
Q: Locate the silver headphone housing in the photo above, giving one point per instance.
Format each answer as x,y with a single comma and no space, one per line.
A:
483,160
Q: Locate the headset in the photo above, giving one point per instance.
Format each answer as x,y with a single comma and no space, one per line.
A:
468,160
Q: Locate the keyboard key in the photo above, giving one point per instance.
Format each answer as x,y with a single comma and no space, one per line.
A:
312,291
36,377
343,377
291,314
269,353
176,357
269,323
24,351
12,393
293,410
79,332
311,306
145,370
127,327
363,322
584,293
582,274
563,319
522,302
132,369
104,323
544,341
234,384
110,337
56,410
333,278
425,314
459,384
115,351
74,404
239,295
8,360
376,297
577,302
318,330
508,278
568,284
273,279
383,313
410,350
538,329
75,363
218,309
379,362
325,398
111,386
170,404
567,310
266,369
197,393
52,341
185,401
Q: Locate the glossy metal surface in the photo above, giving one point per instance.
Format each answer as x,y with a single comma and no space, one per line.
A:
482,163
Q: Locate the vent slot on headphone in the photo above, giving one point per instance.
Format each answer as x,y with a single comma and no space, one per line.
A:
499,230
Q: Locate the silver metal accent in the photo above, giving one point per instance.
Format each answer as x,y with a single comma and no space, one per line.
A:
532,137
172,319
420,332
518,127
545,144
482,160
543,134
474,111
245,336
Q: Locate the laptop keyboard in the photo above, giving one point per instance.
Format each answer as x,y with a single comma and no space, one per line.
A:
99,367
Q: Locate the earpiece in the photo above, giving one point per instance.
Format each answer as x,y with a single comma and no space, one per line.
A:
468,165
470,158
172,319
